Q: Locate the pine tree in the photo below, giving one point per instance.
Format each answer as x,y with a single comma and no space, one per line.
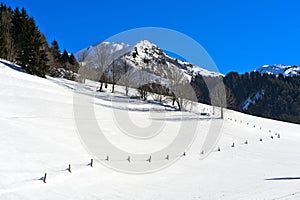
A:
64,57
55,50
6,42
30,48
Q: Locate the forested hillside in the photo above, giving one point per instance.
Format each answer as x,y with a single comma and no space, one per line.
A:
269,96
23,43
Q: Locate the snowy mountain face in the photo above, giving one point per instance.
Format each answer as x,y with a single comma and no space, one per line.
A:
146,56
285,70
112,48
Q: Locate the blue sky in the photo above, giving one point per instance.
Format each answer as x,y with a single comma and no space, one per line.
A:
240,35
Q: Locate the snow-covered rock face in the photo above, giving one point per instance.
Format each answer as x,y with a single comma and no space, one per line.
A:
148,56
253,99
285,70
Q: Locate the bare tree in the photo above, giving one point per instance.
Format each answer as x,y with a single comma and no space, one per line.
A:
82,59
218,95
126,77
113,73
101,58
116,68
161,89
180,88
143,81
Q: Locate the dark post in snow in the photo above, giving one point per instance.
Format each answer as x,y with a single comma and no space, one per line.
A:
92,162
44,178
69,168
219,149
222,113
167,157
232,145
128,159
107,158
149,159
246,142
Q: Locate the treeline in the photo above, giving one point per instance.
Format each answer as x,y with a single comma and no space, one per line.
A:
21,42
272,97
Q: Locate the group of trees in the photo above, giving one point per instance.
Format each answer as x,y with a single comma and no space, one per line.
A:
103,64
280,96
22,42
58,60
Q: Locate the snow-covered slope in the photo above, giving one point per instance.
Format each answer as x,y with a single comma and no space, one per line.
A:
285,70
38,135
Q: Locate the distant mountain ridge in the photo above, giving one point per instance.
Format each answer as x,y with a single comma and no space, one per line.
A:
285,70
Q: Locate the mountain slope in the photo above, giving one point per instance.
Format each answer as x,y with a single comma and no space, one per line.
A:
285,70
38,135
144,55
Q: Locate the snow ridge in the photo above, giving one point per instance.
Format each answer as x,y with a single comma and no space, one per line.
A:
285,70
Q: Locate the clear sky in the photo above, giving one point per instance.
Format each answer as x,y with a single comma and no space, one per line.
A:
240,35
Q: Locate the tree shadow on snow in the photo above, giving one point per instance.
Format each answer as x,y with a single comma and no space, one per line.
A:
13,66
282,179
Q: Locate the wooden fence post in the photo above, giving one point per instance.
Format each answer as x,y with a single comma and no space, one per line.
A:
44,178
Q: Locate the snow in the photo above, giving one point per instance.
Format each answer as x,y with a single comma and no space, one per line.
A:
252,100
285,70
38,135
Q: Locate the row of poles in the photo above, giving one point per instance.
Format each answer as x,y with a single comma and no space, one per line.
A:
150,159
69,169
128,159
254,126
246,141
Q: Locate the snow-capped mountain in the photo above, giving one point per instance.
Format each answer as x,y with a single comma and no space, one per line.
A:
285,70
145,55
109,48
148,55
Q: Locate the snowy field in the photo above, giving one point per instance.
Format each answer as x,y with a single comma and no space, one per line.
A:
39,135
